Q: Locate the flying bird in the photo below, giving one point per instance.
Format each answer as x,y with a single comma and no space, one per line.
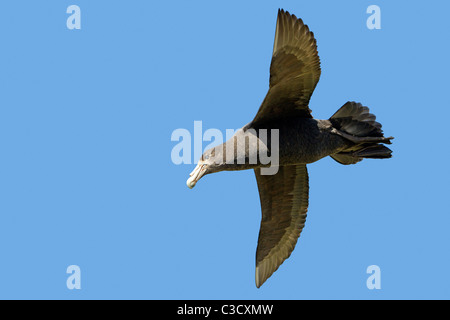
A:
349,136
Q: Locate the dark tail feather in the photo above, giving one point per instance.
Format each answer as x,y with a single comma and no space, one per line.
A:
354,120
376,151
345,158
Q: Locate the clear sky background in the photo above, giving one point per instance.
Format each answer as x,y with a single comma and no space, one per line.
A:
86,176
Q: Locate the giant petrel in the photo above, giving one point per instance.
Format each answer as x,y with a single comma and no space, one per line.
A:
349,136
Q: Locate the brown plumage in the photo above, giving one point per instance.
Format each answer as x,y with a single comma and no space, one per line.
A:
349,136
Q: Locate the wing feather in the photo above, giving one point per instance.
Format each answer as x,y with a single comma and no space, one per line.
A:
284,203
294,71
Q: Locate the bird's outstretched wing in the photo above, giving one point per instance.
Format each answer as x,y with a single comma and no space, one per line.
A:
294,71
284,203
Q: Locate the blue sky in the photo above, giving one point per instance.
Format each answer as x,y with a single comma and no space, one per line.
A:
86,176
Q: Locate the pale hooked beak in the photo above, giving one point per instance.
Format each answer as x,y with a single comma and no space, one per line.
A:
198,172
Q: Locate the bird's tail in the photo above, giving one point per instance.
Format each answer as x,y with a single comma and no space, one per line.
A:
355,123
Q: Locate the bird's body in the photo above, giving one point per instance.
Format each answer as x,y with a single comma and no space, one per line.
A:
350,135
305,140
301,141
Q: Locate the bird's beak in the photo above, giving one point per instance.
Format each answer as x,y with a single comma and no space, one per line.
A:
198,172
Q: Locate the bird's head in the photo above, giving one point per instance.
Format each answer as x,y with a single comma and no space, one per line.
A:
211,161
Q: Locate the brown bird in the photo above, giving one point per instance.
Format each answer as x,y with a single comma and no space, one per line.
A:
349,136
